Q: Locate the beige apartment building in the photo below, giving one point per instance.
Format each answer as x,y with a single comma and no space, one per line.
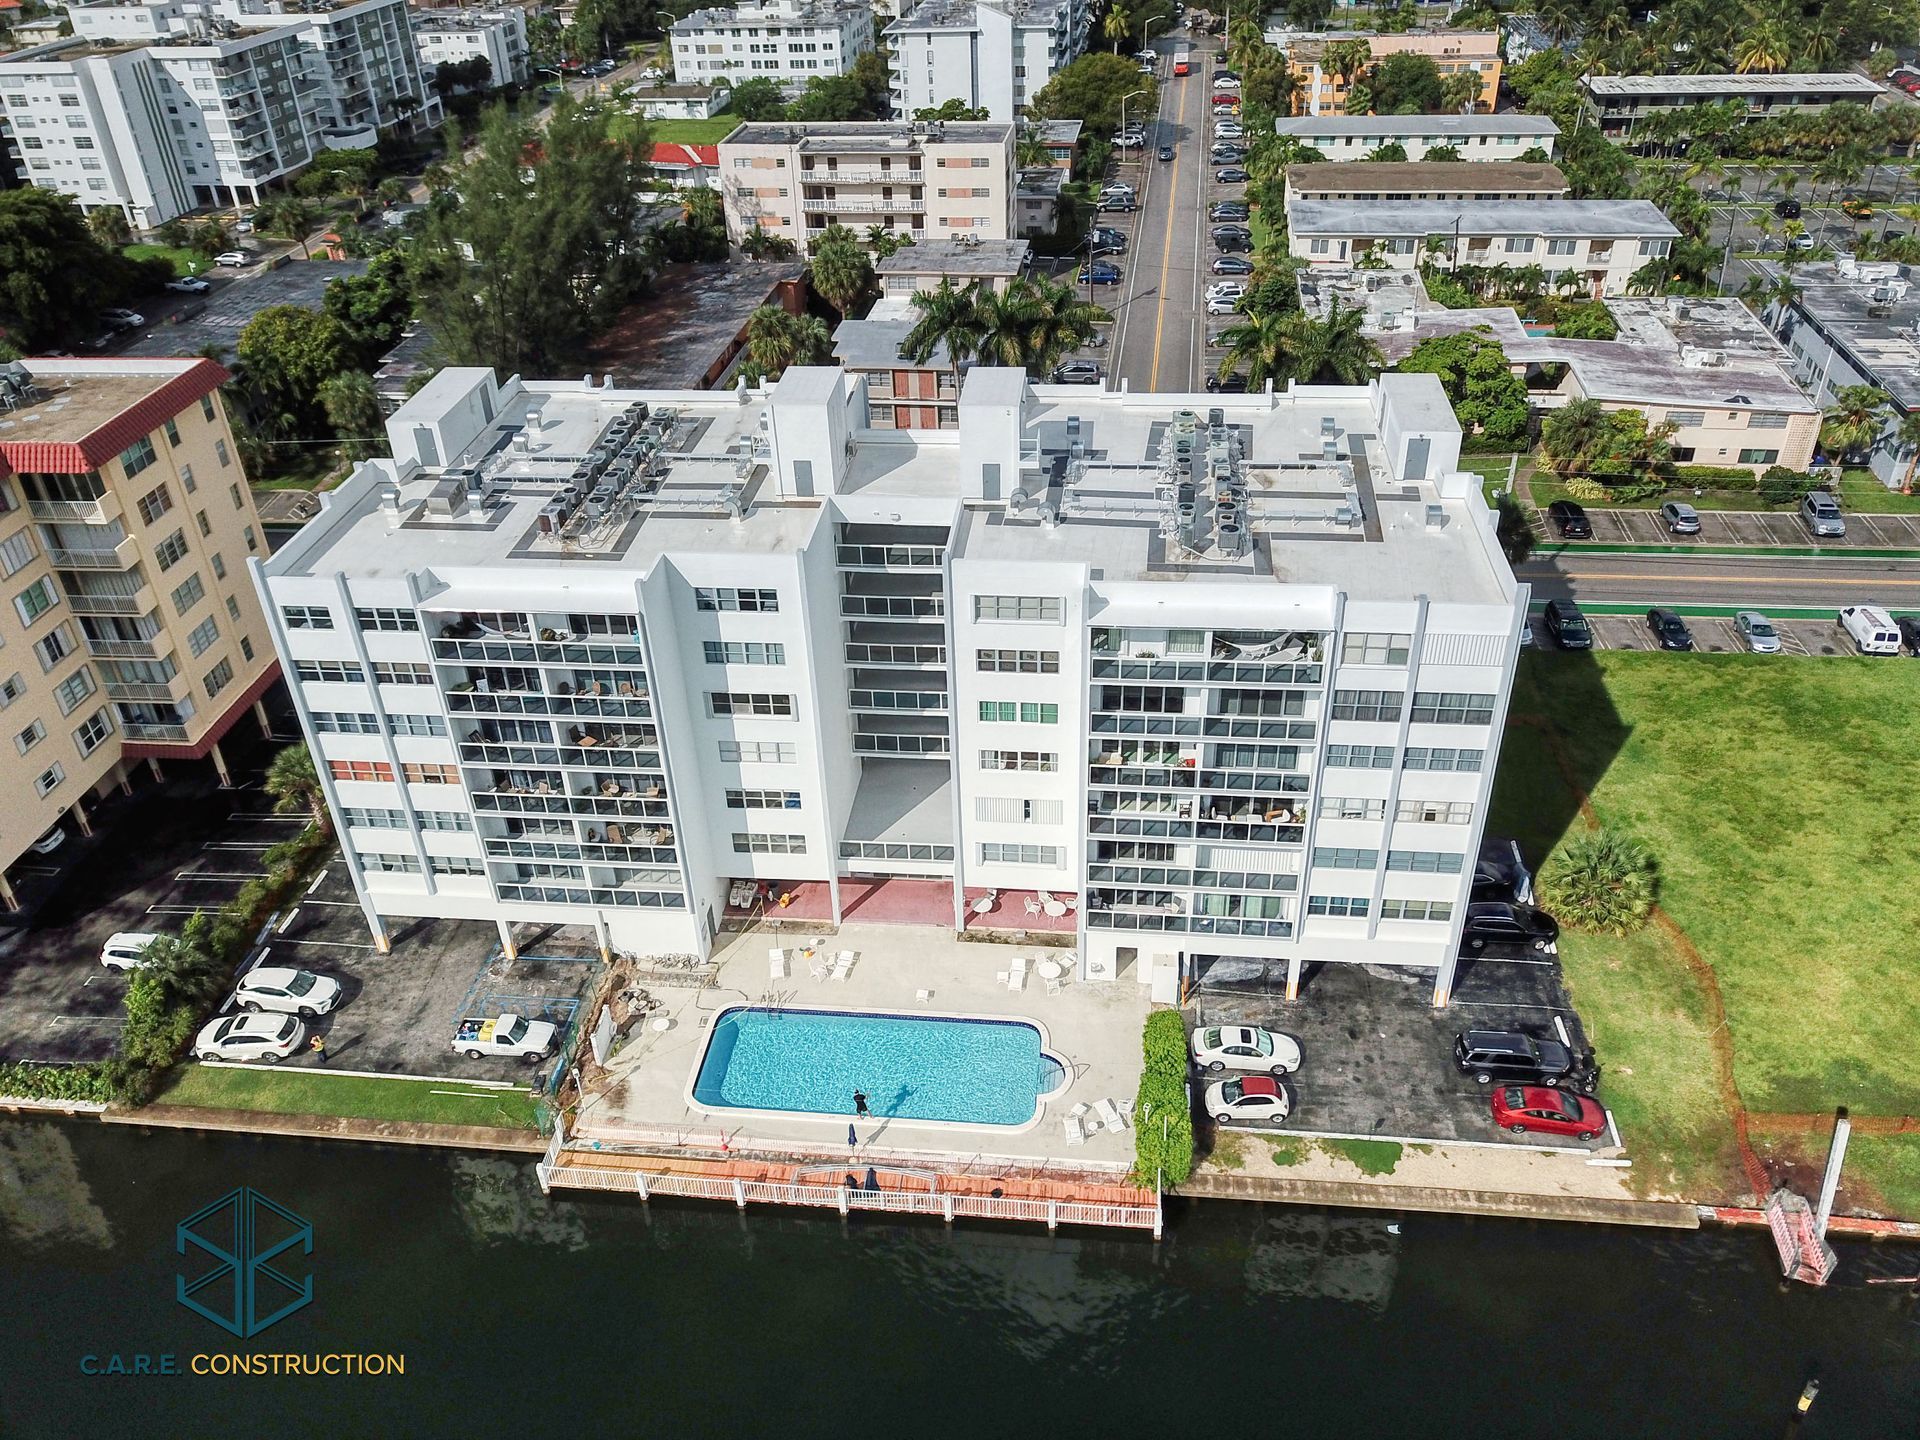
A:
1424,180
929,180
1324,92
131,631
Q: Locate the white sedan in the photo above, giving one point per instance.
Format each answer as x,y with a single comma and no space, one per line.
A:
268,1038
1242,1047
290,991
1248,1097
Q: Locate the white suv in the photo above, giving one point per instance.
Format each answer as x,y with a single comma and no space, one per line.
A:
127,950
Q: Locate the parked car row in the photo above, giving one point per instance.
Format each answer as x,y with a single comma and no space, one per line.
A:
1818,510
1872,630
1266,1054
273,1001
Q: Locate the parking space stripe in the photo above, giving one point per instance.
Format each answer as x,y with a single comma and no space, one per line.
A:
277,819
1504,1005
330,944
343,904
221,875
317,879
286,923
175,909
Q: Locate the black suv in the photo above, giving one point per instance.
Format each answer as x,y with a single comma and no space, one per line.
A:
1567,625
1571,520
1503,922
1508,1056
1500,872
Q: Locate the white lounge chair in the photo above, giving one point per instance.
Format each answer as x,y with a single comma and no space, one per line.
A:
1076,1132
923,995
1109,1114
777,964
820,967
1033,905
1017,976
842,963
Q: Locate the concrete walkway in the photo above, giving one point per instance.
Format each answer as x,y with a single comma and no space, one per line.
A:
329,1127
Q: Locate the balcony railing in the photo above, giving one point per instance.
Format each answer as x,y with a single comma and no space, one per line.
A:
121,557
138,603
895,606
899,205
87,512
134,731
913,655
165,694
926,702
865,744
130,649
819,175
891,557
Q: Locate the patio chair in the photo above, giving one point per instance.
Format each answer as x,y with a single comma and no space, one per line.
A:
1109,1114
923,995
842,963
820,968
1076,1131
777,964
1054,984
1032,905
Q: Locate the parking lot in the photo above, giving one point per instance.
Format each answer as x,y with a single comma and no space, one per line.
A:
1761,529
188,324
1377,1058
1713,634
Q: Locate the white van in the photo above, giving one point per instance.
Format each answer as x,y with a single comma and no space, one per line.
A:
1872,629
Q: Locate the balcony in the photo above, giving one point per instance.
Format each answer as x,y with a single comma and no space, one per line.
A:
826,176
892,557
168,694
893,606
899,205
911,656
132,731
138,603
919,701
130,649
87,512
121,557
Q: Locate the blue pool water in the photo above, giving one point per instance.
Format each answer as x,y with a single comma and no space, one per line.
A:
911,1067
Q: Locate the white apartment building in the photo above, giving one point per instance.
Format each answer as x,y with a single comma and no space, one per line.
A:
791,41
453,37
991,54
1228,673
1506,136
161,108
1602,241
935,180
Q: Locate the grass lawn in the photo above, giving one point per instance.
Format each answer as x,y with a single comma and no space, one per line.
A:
1492,470
1859,490
185,261
1782,805
307,1092
693,132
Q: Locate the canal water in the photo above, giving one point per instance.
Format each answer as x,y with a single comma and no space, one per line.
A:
522,1316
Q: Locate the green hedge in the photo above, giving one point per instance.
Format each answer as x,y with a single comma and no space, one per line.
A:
1162,1117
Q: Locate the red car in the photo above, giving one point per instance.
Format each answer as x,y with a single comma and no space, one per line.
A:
1534,1107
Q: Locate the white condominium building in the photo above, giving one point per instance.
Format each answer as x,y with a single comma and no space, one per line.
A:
786,40
1221,678
160,108
1506,136
934,180
453,37
990,54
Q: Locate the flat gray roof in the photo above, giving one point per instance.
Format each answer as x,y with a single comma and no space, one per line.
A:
1358,175
856,134
952,257
964,14
1839,85
1880,333
1576,218
1626,371
1363,126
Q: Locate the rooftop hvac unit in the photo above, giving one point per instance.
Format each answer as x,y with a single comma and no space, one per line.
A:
1327,426
1436,516
1329,449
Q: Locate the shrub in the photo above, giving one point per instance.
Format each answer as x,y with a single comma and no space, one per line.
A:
1162,1113
1163,1043
1587,491
1600,881
1782,486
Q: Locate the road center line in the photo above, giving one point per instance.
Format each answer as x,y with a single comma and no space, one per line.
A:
1166,247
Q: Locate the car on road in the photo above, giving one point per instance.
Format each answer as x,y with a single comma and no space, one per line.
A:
1229,210
1232,265
233,258
1234,384
1570,519
1680,517
1166,152
1508,922
1568,627
1248,1097
1225,154
1232,175
1820,513
1098,274
1076,372
266,1038
1787,209
287,990
1670,632
1909,628
189,285
1872,629
1521,1108
126,950
1510,1056
1244,1047
123,319
1757,631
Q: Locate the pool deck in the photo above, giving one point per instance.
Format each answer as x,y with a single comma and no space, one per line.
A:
641,1102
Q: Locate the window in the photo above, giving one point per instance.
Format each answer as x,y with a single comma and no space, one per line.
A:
206,406
759,752
1759,457
1025,712
11,689
744,652
430,774
1352,907
204,634
72,690
1686,418
173,430
1019,662
1562,247
1519,244
1766,420
385,618
156,502
1017,810
763,799
218,678
1040,761
92,732
233,609
1443,757
991,854
220,449
387,674
30,737
1655,247
336,671
378,818
1258,757
186,478
307,617
246,533
1416,910
416,725
1334,807
200,519
36,600
1435,707
745,843
53,647
16,551
1340,857
188,594
1366,705
138,456
45,781
765,602
360,770
733,702
171,551
455,865
1360,757
1374,649
1017,607
1425,862
389,864
1435,812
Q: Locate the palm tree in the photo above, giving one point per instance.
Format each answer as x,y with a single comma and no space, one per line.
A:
1600,881
1764,48
1856,417
109,226
1906,437
294,785
1060,321
841,272
1262,346
949,316
1336,350
1574,435
1346,58
1006,319
1117,26
352,407
1031,153
777,339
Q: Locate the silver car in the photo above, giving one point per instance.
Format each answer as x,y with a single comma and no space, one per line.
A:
1757,630
1681,518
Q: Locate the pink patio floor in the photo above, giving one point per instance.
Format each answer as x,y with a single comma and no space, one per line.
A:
909,902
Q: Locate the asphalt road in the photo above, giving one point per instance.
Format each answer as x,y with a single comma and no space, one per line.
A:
1760,581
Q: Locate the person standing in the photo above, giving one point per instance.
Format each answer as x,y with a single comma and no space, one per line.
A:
860,1104
318,1045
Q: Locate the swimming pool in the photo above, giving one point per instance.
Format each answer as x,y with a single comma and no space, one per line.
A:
951,1069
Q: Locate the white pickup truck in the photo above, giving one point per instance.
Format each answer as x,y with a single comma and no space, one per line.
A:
507,1035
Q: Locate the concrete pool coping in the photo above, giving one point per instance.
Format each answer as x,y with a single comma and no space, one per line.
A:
953,1016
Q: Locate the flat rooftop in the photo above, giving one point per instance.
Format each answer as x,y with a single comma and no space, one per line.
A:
670,340
964,14
957,258
873,343
841,136
1434,126
1494,176
1871,312
1839,85
1574,218
1631,372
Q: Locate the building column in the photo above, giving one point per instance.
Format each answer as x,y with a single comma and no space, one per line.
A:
833,892
80,820
220,766
260,716
154,765
7,897
506,940
124,780
1443,979
1294,967
382,942
606,940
